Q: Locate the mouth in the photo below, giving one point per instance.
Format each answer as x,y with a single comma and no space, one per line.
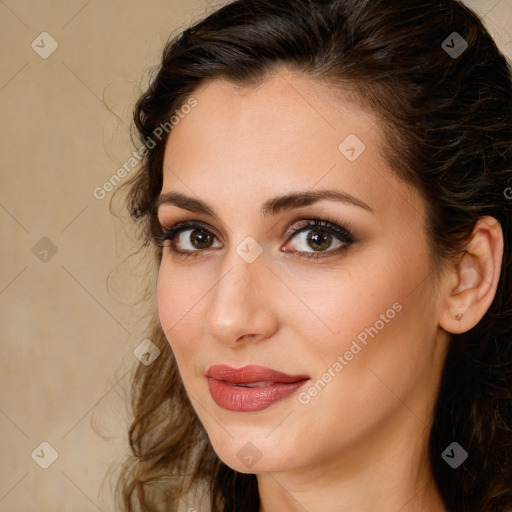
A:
251,388
259,384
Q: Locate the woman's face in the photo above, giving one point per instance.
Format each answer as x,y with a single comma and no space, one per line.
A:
348,308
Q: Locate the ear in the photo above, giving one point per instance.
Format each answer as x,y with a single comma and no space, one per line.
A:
470,283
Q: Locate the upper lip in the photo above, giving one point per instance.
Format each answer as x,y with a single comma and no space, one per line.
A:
251,373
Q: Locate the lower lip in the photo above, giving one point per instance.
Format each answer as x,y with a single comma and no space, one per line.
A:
242,399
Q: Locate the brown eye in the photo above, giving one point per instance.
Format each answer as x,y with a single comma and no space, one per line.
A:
187,238
198,238
315,237
319,240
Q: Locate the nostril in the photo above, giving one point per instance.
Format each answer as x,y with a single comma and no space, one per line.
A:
246,337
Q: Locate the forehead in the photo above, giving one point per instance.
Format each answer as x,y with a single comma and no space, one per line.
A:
288,132
284,101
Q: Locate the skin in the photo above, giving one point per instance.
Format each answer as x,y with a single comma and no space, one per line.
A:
361,442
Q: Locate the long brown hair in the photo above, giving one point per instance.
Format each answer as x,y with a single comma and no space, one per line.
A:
448,120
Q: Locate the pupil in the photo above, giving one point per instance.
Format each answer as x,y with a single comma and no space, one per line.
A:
320,240
202,237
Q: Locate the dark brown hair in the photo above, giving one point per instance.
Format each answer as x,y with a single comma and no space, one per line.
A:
448,130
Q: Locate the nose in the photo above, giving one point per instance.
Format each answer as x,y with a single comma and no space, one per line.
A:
241,307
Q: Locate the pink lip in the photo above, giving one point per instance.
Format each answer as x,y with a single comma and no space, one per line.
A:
227,390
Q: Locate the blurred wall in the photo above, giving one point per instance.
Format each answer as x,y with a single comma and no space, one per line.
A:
70,72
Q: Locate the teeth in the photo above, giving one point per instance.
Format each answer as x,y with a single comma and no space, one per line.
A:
255,384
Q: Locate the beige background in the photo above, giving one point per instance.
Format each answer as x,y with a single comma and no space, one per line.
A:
66,340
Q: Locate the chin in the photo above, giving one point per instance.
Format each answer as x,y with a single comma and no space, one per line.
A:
262,466
255,456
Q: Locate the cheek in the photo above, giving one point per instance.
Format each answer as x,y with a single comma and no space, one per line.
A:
381,342
342,306
178,302
360,371
167,299
374,317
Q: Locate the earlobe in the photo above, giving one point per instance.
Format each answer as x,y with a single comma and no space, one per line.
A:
471,285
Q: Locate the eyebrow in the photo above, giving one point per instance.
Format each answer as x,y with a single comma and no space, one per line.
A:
271,207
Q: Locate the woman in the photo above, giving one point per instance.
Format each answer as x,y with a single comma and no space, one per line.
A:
331,225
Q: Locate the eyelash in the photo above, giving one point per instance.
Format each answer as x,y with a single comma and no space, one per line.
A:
342,233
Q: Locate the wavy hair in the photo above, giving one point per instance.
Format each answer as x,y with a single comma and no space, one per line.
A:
448,132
